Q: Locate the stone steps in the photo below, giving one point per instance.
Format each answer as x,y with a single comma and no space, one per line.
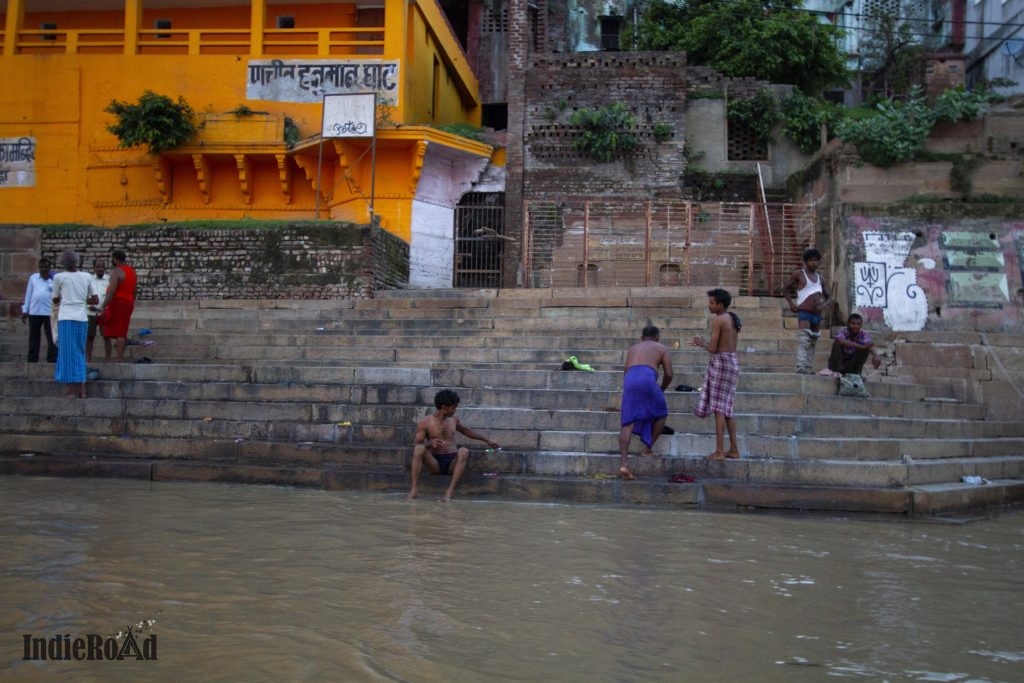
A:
707,492
498,377
257,391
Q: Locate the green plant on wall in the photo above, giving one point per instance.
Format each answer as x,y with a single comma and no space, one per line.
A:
960,173
464,130
552,111
605,133
803,117
291,132
758,113
662,132
155,121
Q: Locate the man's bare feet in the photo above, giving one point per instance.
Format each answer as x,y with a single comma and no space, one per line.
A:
446,498
646,453
626,474
411,495
728,455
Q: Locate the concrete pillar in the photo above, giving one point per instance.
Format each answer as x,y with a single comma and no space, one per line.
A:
396,24
257,20
13,25
132,23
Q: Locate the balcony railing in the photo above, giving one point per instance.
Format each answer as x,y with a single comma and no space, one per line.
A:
321,42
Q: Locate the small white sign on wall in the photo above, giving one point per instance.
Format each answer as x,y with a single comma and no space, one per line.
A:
350,115
18,162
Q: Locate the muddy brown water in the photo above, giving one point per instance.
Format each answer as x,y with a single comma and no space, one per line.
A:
255,583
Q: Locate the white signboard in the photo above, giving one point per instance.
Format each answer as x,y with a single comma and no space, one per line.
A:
298,80
349,116
17,162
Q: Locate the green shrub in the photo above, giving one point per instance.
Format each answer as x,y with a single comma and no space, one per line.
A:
662,132
606,132
156,121
957,104
894,134
464,130
803,118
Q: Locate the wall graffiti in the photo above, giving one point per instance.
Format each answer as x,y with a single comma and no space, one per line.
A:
18,162
883,281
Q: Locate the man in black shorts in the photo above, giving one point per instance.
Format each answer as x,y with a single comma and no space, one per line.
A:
434,443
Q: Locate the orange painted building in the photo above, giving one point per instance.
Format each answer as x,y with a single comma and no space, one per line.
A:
252,71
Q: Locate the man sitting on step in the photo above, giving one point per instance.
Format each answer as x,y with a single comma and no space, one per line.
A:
851,347
434,444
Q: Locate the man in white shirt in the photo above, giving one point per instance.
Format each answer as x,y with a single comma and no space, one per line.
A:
36,312
100,280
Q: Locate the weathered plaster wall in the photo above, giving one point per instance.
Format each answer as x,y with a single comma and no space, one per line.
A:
432,251
298,261
940,272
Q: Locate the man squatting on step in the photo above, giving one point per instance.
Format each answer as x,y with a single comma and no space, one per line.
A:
719,391
644,407
812,300
434,444
851,347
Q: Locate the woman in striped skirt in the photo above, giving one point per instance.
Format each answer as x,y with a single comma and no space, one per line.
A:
71,291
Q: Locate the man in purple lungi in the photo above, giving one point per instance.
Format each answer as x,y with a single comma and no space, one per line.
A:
719,390
644,407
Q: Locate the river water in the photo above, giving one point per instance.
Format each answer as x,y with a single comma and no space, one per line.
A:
255,583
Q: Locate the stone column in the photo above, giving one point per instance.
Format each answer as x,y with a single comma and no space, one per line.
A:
518,57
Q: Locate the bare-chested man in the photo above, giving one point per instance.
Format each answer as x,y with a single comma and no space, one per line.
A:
644,407
808,297
434,444
719,391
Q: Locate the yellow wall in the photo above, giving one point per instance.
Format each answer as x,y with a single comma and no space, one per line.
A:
83,176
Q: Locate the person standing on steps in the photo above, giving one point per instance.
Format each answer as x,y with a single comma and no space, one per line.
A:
100,281
808,296
36,312
719,391
119,302
644,408
73,292
434,444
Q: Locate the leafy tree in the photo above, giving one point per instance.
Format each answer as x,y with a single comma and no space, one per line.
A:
156,121
890,56
773,40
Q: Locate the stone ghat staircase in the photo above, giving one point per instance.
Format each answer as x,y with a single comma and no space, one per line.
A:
327,394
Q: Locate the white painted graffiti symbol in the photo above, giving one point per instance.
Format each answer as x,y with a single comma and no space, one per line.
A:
348,128
871,290
874,282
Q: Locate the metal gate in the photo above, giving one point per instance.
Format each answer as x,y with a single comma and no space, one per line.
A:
584,242
479,240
